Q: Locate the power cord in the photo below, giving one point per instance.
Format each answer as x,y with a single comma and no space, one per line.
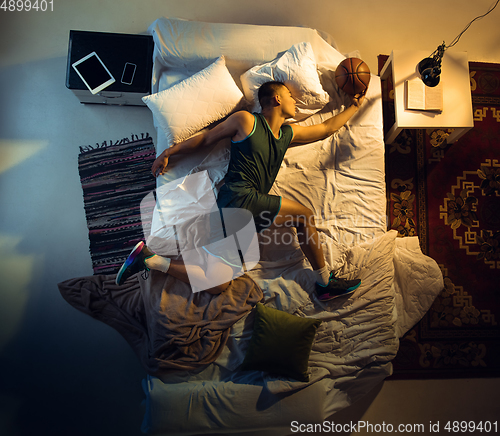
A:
468,25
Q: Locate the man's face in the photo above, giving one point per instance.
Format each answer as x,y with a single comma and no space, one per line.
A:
287,102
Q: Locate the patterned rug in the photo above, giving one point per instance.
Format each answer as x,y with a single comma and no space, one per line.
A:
115,178
449,196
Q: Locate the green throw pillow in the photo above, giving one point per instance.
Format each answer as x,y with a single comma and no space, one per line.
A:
281,343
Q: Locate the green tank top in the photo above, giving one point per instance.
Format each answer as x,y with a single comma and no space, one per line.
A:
255,161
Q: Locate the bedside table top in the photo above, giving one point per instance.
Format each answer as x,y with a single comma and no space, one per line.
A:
457,100
115,50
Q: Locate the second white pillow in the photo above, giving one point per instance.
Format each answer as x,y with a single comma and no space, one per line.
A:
296,68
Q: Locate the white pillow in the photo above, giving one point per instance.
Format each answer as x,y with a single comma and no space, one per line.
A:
189,106
296,68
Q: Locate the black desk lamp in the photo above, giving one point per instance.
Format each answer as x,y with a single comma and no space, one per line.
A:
430,68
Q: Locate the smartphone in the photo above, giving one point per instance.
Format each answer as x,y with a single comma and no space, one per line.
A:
128,73
93,72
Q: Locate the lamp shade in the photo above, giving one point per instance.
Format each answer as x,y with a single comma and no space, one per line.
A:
430,71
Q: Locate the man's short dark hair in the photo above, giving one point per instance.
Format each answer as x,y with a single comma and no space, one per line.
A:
267,91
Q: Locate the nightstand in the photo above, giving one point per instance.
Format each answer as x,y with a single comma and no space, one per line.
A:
115,50
457,101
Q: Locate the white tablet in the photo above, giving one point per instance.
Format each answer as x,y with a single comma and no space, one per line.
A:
93,72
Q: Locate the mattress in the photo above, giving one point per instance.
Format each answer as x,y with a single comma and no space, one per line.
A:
342,179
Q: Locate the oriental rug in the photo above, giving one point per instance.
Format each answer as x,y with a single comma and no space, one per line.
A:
449,196
115,177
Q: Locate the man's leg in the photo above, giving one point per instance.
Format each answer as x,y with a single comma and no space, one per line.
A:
215,279
210,280
296,215
328,286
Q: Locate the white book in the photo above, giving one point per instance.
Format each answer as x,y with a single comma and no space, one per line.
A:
423,98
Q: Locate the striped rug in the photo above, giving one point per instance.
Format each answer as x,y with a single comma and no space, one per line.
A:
115,178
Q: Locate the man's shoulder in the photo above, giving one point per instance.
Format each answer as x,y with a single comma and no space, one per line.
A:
243,122
243,116
243,119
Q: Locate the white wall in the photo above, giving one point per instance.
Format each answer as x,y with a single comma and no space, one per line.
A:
63,373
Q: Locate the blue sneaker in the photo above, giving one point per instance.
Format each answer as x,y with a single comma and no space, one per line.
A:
135,263
336,288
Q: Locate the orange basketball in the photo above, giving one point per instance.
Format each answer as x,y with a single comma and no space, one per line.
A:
352,76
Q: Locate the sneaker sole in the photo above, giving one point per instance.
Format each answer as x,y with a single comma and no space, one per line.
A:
348,292
133,254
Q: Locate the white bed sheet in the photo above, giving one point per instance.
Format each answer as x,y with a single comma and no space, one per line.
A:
343,180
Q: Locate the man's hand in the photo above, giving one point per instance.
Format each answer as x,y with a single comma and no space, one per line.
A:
160,165
358,99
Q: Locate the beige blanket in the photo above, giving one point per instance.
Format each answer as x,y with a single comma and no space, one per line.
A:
168,326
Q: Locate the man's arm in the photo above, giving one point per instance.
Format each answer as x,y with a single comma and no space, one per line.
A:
226,129
305,135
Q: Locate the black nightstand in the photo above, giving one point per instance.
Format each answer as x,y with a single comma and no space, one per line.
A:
115,50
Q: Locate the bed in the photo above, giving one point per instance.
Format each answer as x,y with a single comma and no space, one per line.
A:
342,179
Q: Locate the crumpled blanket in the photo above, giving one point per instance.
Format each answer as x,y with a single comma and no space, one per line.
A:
168,326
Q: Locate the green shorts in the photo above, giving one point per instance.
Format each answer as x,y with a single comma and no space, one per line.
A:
263,207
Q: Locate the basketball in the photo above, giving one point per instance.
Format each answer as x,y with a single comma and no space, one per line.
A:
352,76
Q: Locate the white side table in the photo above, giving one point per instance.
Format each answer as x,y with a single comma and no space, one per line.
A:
457,100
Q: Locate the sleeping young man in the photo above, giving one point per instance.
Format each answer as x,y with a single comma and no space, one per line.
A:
258,146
